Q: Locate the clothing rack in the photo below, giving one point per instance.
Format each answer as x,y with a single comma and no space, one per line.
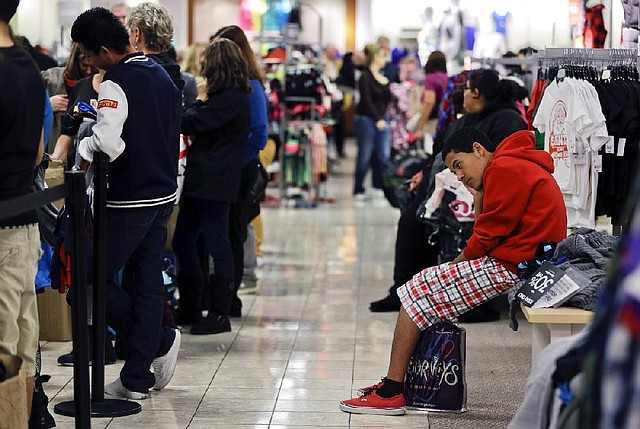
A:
599,59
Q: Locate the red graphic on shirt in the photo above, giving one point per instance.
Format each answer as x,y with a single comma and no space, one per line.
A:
558,132
107,102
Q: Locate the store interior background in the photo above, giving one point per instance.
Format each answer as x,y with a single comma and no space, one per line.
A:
535,23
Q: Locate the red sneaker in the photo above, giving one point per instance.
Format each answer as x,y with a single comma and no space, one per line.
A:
371,403
366,390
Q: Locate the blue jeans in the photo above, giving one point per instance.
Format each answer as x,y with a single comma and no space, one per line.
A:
374,148
137,237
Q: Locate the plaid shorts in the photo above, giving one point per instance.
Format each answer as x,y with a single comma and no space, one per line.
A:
446,291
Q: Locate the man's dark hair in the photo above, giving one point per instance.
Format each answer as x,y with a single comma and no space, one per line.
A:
8,9
463,139
100,27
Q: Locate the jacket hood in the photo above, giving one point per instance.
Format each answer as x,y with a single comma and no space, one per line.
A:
522,144
171,67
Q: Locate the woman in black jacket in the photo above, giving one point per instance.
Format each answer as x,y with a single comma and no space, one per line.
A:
218,123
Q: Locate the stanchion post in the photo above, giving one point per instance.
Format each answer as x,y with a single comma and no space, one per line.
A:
101,167
81,405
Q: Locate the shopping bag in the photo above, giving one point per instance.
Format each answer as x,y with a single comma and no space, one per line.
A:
435,379
13,394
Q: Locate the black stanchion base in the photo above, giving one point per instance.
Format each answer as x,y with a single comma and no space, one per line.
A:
106,408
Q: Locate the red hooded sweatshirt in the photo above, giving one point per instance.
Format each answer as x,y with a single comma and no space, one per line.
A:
522,204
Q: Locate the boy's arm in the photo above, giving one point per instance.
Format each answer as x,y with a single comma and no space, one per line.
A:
113,110
502,208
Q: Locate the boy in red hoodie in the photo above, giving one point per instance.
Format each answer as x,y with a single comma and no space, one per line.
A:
518,204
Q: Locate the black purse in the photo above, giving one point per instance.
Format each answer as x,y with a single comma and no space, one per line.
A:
259,186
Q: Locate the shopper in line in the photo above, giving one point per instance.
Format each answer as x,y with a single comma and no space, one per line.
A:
373,135
150,28
489,105
507,231
22,107
244,210
60,81
219,123
138,128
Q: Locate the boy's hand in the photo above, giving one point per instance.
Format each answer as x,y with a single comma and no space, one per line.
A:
475,192
477,199
461,258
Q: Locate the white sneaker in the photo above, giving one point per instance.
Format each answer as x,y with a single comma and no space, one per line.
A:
248,287
165,366
361,197
117,389
378,193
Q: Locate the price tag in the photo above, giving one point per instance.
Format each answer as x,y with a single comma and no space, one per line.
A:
539,284
579,156
622,142
597,162
610,146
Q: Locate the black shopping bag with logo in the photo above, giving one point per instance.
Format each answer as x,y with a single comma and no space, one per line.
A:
435,379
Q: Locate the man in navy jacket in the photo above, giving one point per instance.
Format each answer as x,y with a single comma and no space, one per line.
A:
138,128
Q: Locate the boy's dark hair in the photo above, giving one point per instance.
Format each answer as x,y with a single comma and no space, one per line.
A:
8,9
98,27
463,139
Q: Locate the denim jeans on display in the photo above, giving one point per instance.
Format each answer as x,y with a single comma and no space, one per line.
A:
374,148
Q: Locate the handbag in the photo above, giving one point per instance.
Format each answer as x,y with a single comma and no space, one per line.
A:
259,186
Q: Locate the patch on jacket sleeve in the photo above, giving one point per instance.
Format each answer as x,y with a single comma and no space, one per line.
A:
107,102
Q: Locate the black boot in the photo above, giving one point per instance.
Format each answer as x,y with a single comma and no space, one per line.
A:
212,324
109,352
190,303
221,292
390,303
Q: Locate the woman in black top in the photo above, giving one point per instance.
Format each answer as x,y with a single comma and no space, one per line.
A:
219,125
373,135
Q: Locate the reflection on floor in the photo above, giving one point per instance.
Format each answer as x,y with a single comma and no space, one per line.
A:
306,340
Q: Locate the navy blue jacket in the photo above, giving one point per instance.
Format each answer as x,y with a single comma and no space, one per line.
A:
138,126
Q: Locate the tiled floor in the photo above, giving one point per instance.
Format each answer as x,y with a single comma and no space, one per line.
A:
307,339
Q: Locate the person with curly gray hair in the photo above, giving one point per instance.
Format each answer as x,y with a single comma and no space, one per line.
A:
150,28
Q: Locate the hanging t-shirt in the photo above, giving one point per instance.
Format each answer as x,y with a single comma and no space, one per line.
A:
575,129
500,22
559,116
451,36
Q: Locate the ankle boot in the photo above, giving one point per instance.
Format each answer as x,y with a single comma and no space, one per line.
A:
109,352
221,293
190,303
212,324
